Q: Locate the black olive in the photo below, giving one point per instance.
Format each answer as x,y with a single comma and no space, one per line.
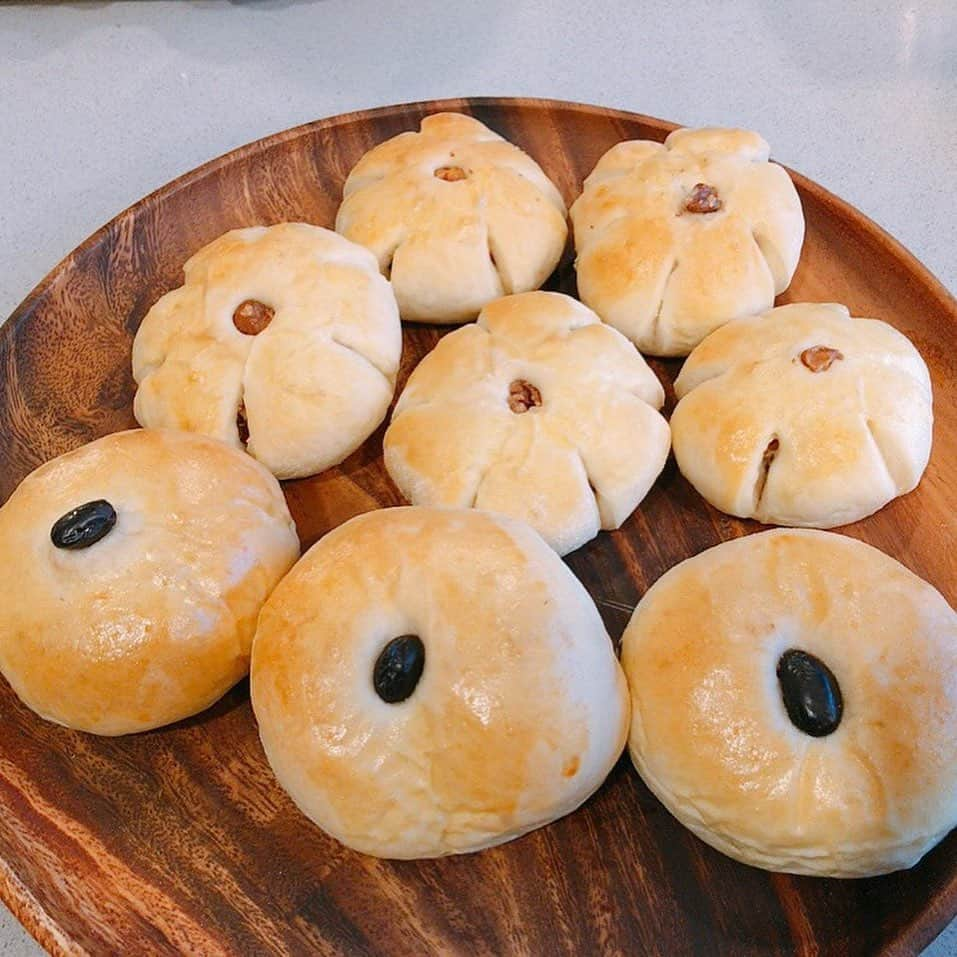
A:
84,525
811,693
398,668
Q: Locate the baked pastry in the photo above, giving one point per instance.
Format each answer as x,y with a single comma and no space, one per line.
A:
794,703
135,569
284,339
538,411
674,240
460,689
803,416
456,216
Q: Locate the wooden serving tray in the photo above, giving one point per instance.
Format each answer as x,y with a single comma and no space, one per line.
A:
179,840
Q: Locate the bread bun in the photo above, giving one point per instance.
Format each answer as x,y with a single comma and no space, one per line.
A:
283,339
135,569
803,416
794,703
538,411
675,239
435,681
456,217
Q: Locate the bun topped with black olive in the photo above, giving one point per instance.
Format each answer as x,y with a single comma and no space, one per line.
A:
435,681
134,570
794,700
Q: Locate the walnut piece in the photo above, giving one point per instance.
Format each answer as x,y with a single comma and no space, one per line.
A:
252,316
451,174
523,396
703,199
820,358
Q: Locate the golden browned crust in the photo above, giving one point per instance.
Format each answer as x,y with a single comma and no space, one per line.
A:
153,622
538,411
283,339
456,217
803,416
675,239
520,712
710,733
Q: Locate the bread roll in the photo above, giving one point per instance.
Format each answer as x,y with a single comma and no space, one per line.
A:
794,703
136,567
803,416
675,239
456,216
283,340
435,681
538,411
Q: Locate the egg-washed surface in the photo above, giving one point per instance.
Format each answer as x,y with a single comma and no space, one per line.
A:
803,416
675,239
284,340
711,732
538,411
456,216
516,717
152,620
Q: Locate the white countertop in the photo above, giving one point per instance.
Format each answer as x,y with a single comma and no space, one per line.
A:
101,103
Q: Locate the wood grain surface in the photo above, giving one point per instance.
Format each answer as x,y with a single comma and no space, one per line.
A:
179,840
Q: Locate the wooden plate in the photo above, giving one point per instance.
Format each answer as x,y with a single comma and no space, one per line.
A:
180,840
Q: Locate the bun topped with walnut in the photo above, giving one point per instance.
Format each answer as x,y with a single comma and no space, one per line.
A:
456,216
458,690
538,411
135,570
794,703
803,416
284,340
675,239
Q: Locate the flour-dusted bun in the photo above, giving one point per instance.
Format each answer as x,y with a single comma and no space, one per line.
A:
674,240
745,737
456,216
803,416
435,681
538,411
285,338
134,570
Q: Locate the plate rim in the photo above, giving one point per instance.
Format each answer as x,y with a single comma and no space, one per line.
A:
935,913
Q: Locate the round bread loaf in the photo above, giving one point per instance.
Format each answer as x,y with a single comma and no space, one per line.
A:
538,411
456,217
803,416
435,681
135,569
794,703
283,339
676,239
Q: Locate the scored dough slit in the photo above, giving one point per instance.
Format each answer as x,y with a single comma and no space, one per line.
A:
387,268
389,255
764,250
242,423
502,278
656,321
358,355
764,470
242,420
591,485
872,432
488,465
